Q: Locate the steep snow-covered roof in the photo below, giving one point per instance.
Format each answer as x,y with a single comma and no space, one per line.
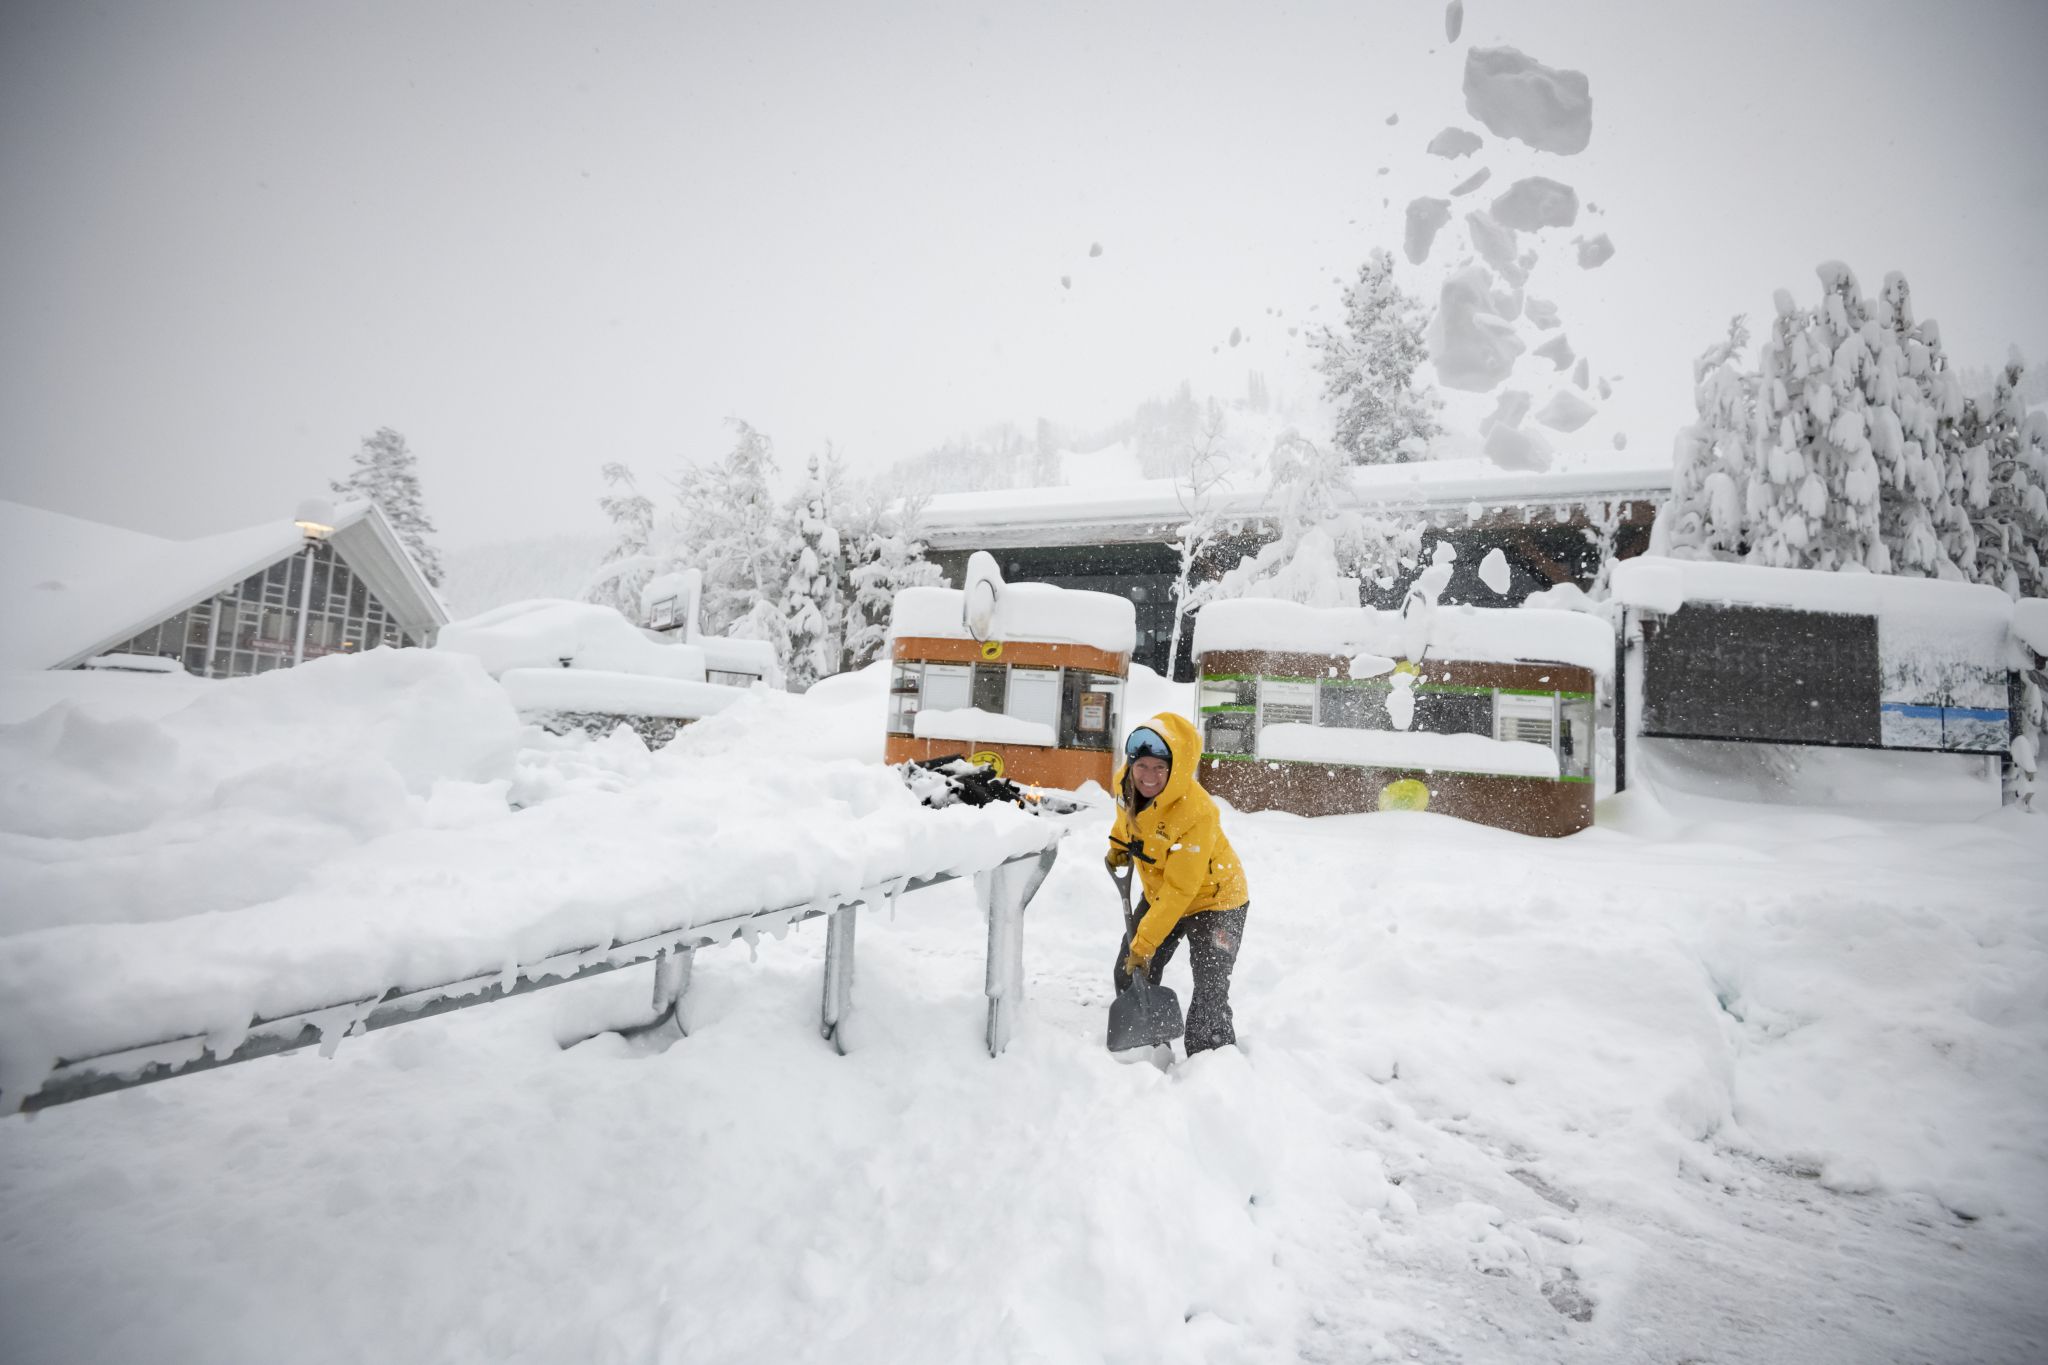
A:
105,584
1151,508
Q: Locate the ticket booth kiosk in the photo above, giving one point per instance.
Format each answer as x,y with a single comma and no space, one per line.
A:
1026,678
1484,714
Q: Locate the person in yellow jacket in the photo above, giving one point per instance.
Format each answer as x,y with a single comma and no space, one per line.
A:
1194,886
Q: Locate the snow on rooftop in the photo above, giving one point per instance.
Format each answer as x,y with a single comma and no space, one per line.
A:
1470,634
553,633
1658,583
536,690
1024,611
1071,515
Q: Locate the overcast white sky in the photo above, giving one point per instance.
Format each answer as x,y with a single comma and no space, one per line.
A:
537,237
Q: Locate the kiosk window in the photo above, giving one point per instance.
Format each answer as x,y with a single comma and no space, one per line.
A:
1227,732
1531,720
988,687
903,694
948,687
1575,741
1034,694
1287,702
1354,708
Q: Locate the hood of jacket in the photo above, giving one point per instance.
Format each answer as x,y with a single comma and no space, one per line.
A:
1184,743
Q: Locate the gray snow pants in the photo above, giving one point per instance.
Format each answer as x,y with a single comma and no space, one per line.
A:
1214,937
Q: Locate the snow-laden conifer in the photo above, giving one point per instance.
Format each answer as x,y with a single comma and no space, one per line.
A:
385,474
886,555
732,529
631,561
1368,369
813,606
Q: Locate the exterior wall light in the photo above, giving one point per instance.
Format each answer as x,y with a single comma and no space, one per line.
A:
315,517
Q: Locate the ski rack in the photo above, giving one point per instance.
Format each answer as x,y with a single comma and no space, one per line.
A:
1003,891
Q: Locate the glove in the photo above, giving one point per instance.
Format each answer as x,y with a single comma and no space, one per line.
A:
1135,965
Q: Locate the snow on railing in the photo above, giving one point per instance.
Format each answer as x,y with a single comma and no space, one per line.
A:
1004,888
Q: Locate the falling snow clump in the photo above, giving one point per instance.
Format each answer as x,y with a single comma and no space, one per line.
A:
1426,218
1496,246
1513,448
1518,97
1543,313
1566,411
1453,143
1094,249
1066,281
1473,347
1454,19
1236,335
1393,119
1593,251
1472,181
1508,411
1493,570
1537,202
1557,350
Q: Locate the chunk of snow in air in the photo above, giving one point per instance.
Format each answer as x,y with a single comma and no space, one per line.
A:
1066,281
1566,411
1426,218
1581,373
1557,350
1512,448
1495,245
1094,249
1537,202
1473,348
1542,312
1621,440
1236,335
1493,570
1518,97
1593,251
1393,119
1454,19
1472,181
1606,389
1453,143
1508,410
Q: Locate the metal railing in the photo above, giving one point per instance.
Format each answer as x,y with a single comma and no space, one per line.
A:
1005,889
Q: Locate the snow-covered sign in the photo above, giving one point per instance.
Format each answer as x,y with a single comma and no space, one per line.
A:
1800,656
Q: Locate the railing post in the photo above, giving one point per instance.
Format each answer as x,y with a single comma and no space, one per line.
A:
838,1000
1004,892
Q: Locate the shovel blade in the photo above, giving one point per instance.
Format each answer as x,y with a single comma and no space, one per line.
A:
1145,1015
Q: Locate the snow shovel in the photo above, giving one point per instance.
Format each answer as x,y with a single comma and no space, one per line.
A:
1144,1015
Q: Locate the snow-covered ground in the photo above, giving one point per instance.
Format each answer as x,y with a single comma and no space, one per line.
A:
1718,1080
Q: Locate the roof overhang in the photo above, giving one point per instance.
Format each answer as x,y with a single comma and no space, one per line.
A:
1154,511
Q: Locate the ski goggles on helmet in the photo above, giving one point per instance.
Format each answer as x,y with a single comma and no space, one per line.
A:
1147,743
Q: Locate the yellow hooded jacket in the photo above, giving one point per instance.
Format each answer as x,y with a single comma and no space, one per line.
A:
1184,863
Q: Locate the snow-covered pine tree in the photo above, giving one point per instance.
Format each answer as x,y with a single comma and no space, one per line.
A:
813,606
1369,369
385,474
2002,467
887,555
631,561
1832,452
735,534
